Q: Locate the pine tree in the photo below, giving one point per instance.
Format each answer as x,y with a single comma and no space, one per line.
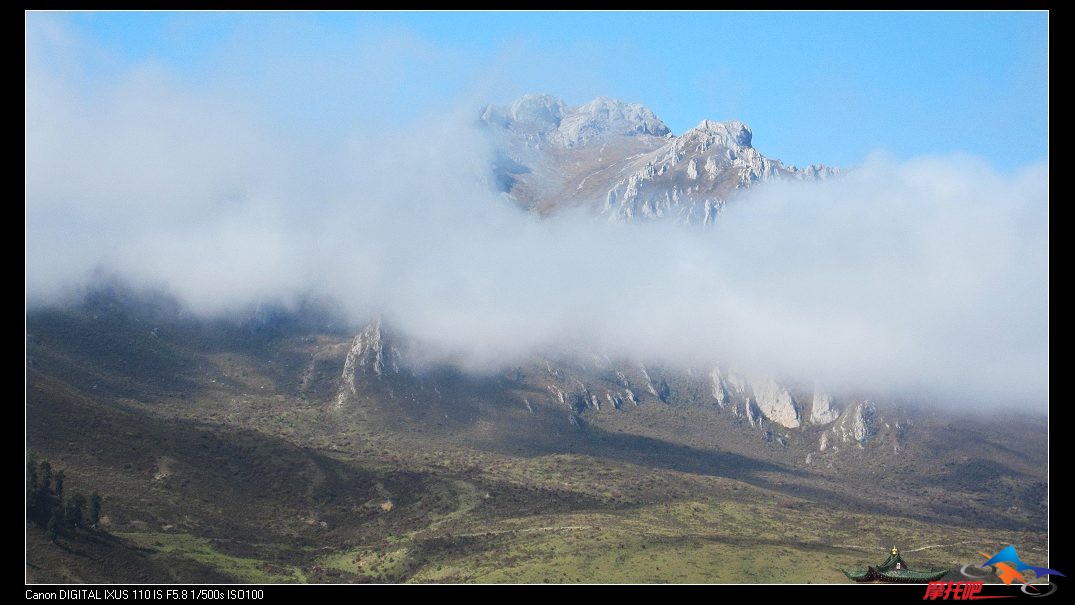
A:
42,504
31,471
46,504
53,527
73,513
58,479
95,509
46,475
31,485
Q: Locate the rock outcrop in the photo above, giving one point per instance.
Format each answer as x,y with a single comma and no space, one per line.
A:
776,403
821,409
370,353
858,424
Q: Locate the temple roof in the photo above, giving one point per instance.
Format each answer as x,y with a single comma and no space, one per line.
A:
893,558
871,574
894,569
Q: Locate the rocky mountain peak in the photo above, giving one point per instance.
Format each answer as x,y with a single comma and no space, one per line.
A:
623,160
730,133
604,117
555,123
539,113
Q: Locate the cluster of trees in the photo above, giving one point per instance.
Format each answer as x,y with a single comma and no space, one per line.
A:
49,507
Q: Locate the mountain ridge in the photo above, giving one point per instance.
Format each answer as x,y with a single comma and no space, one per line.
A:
622,161
224,452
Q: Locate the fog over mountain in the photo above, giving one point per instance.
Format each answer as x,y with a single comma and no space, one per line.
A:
926,277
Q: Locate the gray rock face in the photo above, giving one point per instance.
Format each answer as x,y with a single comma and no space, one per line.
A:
752,412
858,424
558,394
615,400
732,133
776,403
864,423
767,398
369,352
719,387
736,383
657,386
822,410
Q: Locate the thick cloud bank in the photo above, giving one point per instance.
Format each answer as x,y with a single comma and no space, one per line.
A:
927,277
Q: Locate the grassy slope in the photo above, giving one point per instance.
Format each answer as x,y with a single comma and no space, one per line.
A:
220,459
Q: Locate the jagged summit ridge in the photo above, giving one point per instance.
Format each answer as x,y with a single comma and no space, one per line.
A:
602,117
691,177
731,133
545,118
530,113
623,161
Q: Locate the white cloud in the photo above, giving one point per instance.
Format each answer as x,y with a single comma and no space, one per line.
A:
926,277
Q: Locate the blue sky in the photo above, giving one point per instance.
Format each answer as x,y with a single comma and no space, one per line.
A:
825,87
